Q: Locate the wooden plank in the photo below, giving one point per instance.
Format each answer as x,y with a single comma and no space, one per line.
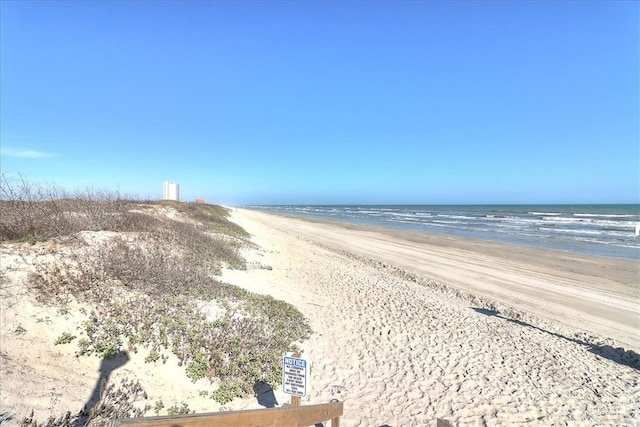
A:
294,416
296,401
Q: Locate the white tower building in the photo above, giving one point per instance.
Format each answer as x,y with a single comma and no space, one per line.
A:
171,191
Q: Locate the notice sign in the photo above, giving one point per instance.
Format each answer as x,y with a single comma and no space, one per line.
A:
295,376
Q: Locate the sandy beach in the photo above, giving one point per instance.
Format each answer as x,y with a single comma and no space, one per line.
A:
408,328
412,327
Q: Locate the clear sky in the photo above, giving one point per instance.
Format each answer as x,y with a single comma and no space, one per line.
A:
313,102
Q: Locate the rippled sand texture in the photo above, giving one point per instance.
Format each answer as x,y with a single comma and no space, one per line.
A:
402,347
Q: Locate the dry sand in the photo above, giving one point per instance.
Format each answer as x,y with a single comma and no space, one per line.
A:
408,328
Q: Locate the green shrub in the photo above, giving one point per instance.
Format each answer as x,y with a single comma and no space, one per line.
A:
198,367
83,347
65,338
152,357
158,407
228,391
107,350
178,410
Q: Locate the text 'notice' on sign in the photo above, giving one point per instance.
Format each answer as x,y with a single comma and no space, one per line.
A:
295,376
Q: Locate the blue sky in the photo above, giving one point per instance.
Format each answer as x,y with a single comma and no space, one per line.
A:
326,102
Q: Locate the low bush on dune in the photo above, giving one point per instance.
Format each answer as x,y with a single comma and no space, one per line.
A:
32,212
151,286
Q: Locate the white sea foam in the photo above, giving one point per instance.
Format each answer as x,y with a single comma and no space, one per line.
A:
545,213
605,215
570,228
573,231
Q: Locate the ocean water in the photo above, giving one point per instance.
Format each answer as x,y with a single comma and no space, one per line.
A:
602,230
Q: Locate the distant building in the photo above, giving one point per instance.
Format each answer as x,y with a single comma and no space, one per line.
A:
170,191
199,201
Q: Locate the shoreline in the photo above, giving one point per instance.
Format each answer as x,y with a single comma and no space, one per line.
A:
579,247
408,331
603,292
441,238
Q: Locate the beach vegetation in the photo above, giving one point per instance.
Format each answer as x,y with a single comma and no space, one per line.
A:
65,338
150,281
159,406
32,213
116,401
153,356
229,390
179,410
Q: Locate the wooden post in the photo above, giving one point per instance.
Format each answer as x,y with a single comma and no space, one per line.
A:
296,400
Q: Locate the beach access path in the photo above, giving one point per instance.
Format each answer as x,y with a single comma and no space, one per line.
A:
411,326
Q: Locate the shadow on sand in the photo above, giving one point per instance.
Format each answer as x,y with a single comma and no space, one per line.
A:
619,355
107,366
80,419
5,417
264,393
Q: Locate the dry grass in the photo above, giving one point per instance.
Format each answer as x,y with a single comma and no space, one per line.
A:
147,286
33,212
